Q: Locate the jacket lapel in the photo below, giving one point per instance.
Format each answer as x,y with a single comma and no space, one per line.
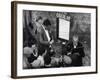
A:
44,35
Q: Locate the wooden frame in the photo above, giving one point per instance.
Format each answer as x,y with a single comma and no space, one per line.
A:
14,31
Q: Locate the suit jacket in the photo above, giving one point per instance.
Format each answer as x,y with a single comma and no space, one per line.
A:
42,40
42,37
79,49
76,59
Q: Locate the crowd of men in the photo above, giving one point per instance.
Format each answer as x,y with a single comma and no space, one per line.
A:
38,52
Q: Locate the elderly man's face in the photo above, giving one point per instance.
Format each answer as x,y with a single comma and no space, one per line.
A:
75,38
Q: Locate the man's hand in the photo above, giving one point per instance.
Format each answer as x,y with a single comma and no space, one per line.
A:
69,53
52,41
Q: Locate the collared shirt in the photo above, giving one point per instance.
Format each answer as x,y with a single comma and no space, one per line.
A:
47,33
